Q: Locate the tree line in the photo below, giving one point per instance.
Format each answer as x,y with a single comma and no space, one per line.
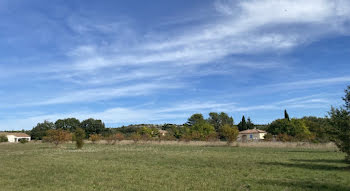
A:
334,127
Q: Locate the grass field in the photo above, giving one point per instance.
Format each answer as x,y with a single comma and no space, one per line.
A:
170,167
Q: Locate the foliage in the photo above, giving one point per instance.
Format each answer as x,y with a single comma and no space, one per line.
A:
57,136
340,130
196,118
286,116
268,137
79,137
294,128
3,138
136,137
200,131
318,128
148,132
284,137
119,136
23,141
112,139
68,124
40,130
95,138
346,99
229,133
219,120
93,126
242,125
250,124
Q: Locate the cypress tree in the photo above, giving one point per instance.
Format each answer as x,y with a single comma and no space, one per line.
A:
243,124
286,116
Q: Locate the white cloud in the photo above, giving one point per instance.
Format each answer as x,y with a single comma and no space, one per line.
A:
91,95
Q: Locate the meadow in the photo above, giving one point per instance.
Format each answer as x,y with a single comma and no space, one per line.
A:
38,166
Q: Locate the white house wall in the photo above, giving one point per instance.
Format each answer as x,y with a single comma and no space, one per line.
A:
11,138
14,139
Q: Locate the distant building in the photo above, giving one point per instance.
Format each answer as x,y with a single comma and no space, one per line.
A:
15,137
251,135
163,132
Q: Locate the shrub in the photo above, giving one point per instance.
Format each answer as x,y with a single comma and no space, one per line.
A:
57,137
229,133
79,137
109,139
135,137
186,137
23,141
213,136
145,137
119,136
284,137
95,138
3,138
112,139
268,137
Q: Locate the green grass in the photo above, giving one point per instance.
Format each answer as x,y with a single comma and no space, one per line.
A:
169,167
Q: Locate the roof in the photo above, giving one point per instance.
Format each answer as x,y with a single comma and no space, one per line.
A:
252,131
15,134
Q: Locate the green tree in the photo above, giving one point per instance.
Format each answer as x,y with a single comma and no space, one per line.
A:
214,119
219,120
318,128
93,126
279,126
286,116
299,130
79,137
295,128
229,133
242,125
250,124
68,124
339,120
200,131
340,130
40,130
3,138
195,119
346,99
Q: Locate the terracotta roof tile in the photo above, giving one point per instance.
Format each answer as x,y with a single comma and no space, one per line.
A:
15,134
252,131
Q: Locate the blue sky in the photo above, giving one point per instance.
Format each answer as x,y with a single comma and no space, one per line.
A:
129,62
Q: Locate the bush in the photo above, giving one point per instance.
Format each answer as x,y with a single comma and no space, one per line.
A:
3,138
23,141
95,138
284,137
213,136
268,137
186,137
340,130
135,137
109,139
57,137
119,136
79,137
112,139
229,133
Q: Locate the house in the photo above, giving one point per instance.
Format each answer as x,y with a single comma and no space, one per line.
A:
251,135
163,132
15,137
